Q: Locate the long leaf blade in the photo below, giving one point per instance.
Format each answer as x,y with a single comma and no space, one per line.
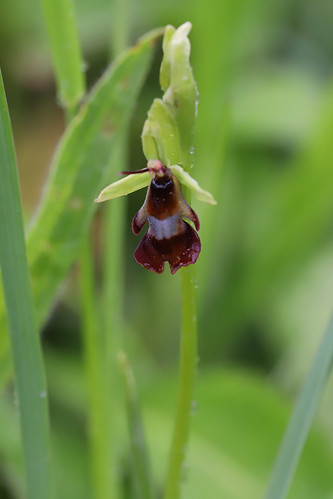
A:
29,370
302,417
80,169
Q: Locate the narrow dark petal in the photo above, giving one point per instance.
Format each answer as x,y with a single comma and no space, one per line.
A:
194,219
180,250
133,172
140,219
137,224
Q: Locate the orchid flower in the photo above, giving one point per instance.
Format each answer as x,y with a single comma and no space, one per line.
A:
169,238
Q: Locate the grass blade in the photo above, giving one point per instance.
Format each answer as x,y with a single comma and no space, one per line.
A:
97,383
28,365
65,49
302,417
139,450
80,169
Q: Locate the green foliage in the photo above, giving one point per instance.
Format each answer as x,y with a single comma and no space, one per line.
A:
263,148
135,429
25,346
82,159
302,417
69,68
238,420
237,423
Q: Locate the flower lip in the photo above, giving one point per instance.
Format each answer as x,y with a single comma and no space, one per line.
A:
169,237
179,251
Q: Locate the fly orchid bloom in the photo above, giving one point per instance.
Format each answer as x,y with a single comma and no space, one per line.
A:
169,238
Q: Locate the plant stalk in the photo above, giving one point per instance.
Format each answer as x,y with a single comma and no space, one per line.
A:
188,364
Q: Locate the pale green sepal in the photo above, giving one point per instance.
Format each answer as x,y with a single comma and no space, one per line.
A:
125,186
192,184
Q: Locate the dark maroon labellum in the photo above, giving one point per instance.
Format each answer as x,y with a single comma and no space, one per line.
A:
169,238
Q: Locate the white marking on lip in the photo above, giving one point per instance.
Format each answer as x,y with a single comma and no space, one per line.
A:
164,229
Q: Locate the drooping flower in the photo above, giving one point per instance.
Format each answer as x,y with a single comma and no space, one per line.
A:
169,238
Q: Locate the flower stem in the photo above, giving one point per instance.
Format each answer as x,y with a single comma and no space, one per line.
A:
188,363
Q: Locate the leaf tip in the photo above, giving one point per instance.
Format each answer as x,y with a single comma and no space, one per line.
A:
99,198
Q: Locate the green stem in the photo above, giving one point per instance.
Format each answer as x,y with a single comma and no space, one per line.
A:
26,351
302,417
96,381
112,295
139,449
113,284
188,363
113,289
71,112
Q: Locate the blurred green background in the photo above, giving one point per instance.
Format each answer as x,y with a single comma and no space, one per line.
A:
264,141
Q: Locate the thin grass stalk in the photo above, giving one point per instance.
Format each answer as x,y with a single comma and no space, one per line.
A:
95,369
112,301
113,260
28,364
302,418
114,215
138,445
